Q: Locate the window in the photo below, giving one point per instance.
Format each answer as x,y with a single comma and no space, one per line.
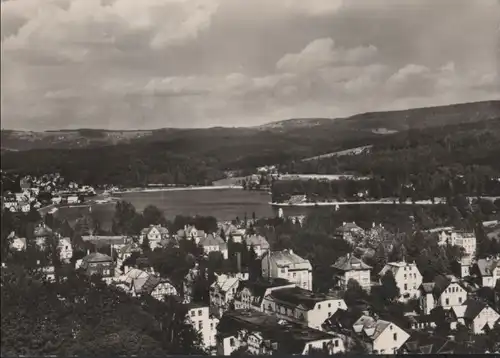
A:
192,313
282,270
231,342
460,300
340,303
329,305
200,325
211,326
329,314
406,286
294,275
319,306
405,276
447,301
199,312
395,336
336,343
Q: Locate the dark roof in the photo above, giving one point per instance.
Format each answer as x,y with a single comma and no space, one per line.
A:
291,337
97,257
474,307
151,283
424,343
297,296
349,263
344,319
259,287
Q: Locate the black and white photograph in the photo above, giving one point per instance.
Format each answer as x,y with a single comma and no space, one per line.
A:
250,177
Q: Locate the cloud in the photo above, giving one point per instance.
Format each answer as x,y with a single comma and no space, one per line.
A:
191,63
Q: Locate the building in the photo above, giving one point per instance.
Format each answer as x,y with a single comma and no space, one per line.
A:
155,234
349,232
42,233
250,294
444,291
466,240
138,282
258,243
462,267
351,268
223,291
258,333
65,249
17,243
487,271
97,263
475,314
303,306
117,242
426,343
199,317
190,233
214,243
288,265
383,337
407,276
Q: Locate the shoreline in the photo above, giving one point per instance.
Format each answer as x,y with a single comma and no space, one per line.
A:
152,190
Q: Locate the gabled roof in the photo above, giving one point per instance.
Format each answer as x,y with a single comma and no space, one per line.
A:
486,267
440,284
161,229
344,319
296,296
225,282
213,240
424,343
349,227
287,258
64,241
97,257
258,288
21,240
350,263
371,327
256,240
149,284
42,231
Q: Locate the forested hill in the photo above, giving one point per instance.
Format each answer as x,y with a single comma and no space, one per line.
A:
200,156
376,123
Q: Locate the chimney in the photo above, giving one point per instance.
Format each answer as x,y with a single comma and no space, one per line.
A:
290,251
373,224
238,261
348,256
38,262
88,252
344,223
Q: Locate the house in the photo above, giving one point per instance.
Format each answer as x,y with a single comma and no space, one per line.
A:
426,343
17,243
349,232
383,337
466,240
233,232
65,249
475,314
421,321
117,242
138,282
407,276
261,334
190,233
444,291
56,200
199,317
487,271
350,267
303,306
155,234
214,243
223,291
288,265
73,199
250,294
41,233
258,243
462,267
97,263
24,207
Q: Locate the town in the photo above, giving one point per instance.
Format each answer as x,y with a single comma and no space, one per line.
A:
244,293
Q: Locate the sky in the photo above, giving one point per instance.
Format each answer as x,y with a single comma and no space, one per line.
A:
129,64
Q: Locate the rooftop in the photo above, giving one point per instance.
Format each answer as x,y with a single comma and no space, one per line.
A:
298,296
97,257
487,266
350,263
287,258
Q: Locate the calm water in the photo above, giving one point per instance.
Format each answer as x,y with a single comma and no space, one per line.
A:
224,204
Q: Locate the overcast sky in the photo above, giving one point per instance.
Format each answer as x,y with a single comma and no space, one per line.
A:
126,64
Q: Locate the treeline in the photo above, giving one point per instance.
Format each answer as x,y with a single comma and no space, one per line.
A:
419,164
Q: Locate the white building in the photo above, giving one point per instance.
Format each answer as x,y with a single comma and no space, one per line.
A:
155,234
445,291
17,243
303,306
288,265
476,315
351,268
383,336
223,291
258,243
407,276
199,317
488,271
65,249
214,243
250,294
258,333
137,282
467,240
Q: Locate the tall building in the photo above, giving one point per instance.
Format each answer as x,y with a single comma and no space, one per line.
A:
288,265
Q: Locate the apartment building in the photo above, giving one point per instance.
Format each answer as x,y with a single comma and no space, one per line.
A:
407,276
288,265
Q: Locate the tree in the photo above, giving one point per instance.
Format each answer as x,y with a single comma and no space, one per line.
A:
354,293
390,289
153,216
146,248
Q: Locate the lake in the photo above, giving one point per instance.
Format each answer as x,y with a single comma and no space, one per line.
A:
224,204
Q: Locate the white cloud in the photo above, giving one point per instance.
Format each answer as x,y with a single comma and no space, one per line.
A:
160,63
